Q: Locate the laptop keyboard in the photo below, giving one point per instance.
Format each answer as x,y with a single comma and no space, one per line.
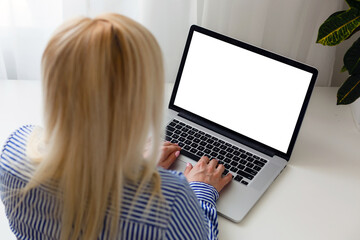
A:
195,143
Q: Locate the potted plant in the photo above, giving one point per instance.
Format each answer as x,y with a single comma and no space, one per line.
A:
338,27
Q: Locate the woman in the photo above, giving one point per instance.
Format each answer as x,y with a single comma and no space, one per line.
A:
85,176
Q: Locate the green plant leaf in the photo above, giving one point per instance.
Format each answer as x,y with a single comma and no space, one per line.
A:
349,91
338,27
353,3
352,58
355,31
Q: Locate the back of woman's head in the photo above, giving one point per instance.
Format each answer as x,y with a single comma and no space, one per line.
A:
103,89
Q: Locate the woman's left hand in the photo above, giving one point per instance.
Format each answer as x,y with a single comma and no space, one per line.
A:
169,153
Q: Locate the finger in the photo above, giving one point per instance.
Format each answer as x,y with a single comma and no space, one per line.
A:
226,179
204,159
220,168
213,163
167,150
167,143
188,168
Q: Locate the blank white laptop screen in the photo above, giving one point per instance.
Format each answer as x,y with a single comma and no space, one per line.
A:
246,92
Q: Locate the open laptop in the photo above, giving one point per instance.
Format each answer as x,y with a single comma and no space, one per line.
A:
241,105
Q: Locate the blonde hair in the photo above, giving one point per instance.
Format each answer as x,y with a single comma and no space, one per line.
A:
103,90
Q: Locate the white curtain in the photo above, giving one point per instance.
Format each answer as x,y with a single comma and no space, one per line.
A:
287,27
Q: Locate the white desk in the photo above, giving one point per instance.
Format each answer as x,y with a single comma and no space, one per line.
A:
316,197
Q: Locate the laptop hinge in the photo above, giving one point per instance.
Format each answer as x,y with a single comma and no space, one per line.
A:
232,135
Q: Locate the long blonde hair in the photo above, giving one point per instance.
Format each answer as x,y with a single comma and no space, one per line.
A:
103,89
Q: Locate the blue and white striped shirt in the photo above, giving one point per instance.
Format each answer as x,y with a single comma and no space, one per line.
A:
190,212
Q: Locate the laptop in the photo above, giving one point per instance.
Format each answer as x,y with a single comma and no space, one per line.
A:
242,105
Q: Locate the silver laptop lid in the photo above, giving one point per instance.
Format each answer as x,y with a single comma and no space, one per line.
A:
246,93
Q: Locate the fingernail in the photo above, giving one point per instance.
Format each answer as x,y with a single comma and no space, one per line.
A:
177,153
188,164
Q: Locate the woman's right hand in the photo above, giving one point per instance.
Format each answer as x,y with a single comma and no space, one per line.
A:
208,172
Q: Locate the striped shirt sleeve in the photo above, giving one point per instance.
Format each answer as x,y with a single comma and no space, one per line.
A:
187,219
207,195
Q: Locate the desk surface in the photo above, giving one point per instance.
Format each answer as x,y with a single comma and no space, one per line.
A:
316,197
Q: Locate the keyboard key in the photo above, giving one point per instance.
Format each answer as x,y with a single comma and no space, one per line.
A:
225,172
175,136
178,127
238,178
182,139
201,132
249,154
172,124
236,153
190,137
235,158
241,166
197,135
261,164
167,138
227,160
188,142
220,157
193,150
230,150
200,154
256,157
203,143
223,147
222,152
249,164
210,141
251,171
181,144
196,140
175,121
232,163
214,154
243,156
245,174
208,151
216,149
181,123
257,168
191,132
227,166
174,141
216,144
177,131
244,182
250,159
242,161
228,144
229,155
187,147
209,146
221,141
207,135
184,134
214,138
262,160
233,169
171,129
194,145
203,138
201,148
185,129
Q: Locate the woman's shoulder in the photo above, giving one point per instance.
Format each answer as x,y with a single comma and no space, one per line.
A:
13,158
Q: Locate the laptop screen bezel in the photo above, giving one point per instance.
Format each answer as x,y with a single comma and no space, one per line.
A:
228,132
